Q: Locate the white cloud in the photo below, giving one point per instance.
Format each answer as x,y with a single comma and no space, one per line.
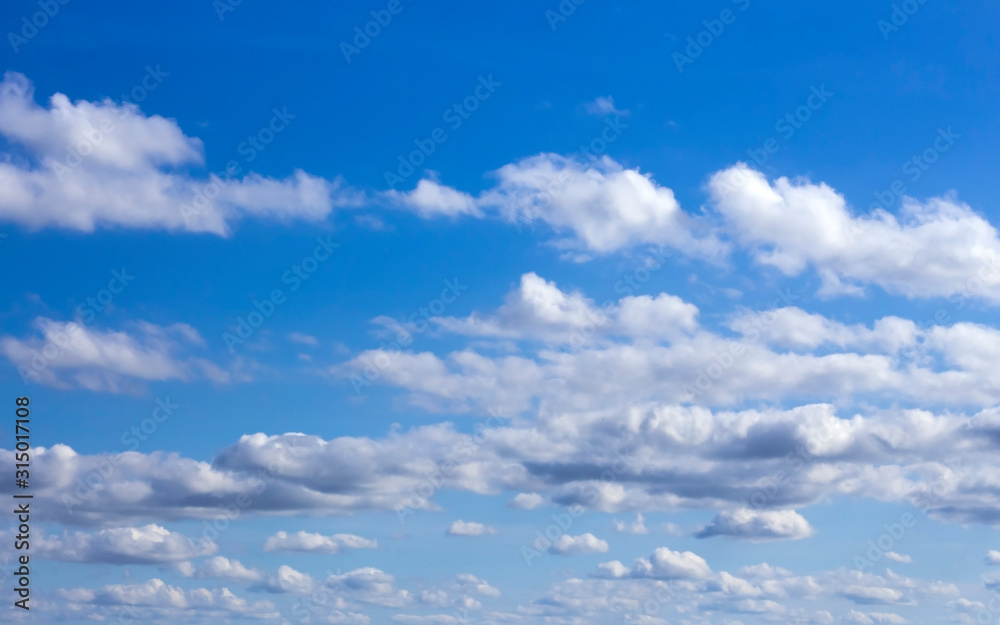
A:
937,248
310,542
664,355
636,527
893,455
872,594
752,525
526,501
150,544
584,543
600,207
873,618
470,528
219,568
898,557
74,355
538,309
993,557
288,580
471,584
117,167
663,564
431,199
604,106
166,600
369,586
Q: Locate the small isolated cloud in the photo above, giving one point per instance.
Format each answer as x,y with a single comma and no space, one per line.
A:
898,557
526,501
663,564
755,525
673,529
469,528
432,199
635,527
602,106
317,543
993,557
585,543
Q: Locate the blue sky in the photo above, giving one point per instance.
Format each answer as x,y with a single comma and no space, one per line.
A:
649,313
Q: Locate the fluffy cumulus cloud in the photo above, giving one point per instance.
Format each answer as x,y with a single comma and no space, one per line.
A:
155,599
584,543
662,564
539,309
150,544
940,247
74,355
219,568
470,528
526,501
310,542
116,167
288,580
758,525
597,207
768,460
576,354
